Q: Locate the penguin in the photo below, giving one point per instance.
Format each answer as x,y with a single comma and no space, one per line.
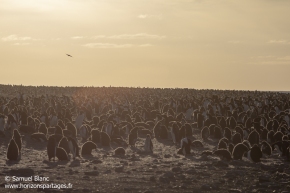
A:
205,133
231,147
266,148
105,139
224,154
79,120
87,148
18,140
73,147
12,151
227,133
263,134
217,132
63,143
211,129
200,120
237,138
278,136
95,121
61,154
222,122
95,136
255,154
119,151
270,137
225,140
163,133
109,128
254,138
72,129
11,122
240,131
185,147
38,137
51,147
247,143
53,120
188,130
84,132
61,124
245,133
58,130
42,128
2,125
148,144
232,123
133,136
239,150
181,132
222,144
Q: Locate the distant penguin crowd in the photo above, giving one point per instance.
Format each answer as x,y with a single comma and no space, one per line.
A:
74,122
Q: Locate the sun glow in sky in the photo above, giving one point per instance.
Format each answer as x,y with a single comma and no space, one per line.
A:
219,44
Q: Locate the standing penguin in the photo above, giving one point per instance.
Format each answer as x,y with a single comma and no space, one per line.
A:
199,120
61,154
255,154
73,146
266,148
95,136
222,144
108,128
254,138
71,127
11,122
53,120
84,133
12,151
58,130
163,134
88,147
133,136
185,146
237,138
175,133
205,133
227,133
79,120
105,139
16,136
148,144
51,147
2,124
63,143
42,128
239,150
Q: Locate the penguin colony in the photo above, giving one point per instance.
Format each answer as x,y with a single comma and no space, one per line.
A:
244,125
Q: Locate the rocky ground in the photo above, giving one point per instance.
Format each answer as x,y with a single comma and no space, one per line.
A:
162,171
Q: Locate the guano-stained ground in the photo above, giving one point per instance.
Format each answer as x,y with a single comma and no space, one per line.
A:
162,171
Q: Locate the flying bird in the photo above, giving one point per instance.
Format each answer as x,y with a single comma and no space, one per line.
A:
68,55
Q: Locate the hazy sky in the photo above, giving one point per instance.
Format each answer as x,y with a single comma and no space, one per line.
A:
220,44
